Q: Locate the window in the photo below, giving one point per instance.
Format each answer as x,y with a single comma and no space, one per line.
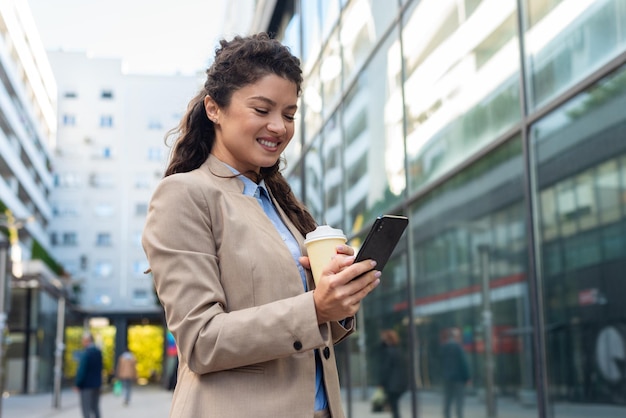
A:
70,95
103,239
141,297
65,210
106,94
155,124
66,180
84,262
104,210
141,209
70,239
142,181
139,268
103,269
69,120
104,153
102,299
106,121
155,154
101,180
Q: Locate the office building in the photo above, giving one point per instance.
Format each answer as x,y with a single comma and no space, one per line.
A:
31,282
111,152
498,128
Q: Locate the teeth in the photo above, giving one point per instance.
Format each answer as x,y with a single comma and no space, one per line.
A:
268,143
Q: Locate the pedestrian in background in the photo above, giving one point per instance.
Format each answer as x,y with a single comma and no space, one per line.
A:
455,372
126,372
393,370
224,238
89,377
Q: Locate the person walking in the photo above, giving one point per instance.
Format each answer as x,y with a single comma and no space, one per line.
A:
455,370
224,238
393,370
126,372
88,380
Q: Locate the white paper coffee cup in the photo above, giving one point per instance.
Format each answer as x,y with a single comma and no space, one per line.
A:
321,246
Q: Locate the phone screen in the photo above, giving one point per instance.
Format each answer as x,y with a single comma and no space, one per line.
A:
382,239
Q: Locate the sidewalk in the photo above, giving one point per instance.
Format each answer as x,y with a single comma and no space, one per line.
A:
146,401
154,402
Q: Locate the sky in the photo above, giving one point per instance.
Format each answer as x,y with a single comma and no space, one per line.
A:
149,36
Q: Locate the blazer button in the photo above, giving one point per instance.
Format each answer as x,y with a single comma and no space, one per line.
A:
297,345
326,353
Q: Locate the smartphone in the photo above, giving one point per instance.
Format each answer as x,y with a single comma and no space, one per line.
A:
382,239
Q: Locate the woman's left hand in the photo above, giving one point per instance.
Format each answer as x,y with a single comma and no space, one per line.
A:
341,249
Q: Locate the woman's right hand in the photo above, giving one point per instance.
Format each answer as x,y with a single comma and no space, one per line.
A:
342,287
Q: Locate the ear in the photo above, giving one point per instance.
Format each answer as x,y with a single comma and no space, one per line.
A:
211,108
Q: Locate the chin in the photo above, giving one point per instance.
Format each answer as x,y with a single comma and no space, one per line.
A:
269,164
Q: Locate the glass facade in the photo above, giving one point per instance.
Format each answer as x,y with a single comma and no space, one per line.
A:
498,127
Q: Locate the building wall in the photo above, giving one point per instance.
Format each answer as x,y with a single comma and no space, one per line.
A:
508,155
27,134
110,155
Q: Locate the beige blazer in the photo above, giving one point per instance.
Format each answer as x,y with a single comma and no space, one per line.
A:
234,301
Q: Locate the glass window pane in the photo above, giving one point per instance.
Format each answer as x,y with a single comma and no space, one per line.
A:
330,15
578,155
470,251
333,180
311,33
355,38
330,74
374,153
314,199
312,98
608,192
462,84
567,40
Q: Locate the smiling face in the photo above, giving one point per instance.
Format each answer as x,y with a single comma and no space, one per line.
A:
257,125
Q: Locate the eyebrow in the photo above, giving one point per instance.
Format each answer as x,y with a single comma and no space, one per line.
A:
271,102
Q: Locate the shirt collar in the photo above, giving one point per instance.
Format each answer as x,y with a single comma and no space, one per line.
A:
249,187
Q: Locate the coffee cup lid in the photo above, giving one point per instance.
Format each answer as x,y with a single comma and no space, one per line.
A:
323,232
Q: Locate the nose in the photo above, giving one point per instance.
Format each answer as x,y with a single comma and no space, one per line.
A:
277,126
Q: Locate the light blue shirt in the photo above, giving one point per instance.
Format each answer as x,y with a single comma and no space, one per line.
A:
261,194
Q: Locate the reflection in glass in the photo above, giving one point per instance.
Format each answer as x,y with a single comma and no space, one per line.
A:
333,180
374,153
329,10
330,74
567,40
357,37
312,98
579,152
462,87
311,33
470,251
313,180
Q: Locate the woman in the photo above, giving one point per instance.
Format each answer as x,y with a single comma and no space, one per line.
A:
224,239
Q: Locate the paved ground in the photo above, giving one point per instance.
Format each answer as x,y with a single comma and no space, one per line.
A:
154,402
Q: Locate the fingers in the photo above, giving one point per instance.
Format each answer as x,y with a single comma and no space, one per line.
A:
345,249
305,262
348,270
339,296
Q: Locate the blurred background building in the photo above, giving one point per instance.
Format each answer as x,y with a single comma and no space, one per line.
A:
110,154
31,282
498,127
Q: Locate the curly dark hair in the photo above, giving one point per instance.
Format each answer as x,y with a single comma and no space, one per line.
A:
239,62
